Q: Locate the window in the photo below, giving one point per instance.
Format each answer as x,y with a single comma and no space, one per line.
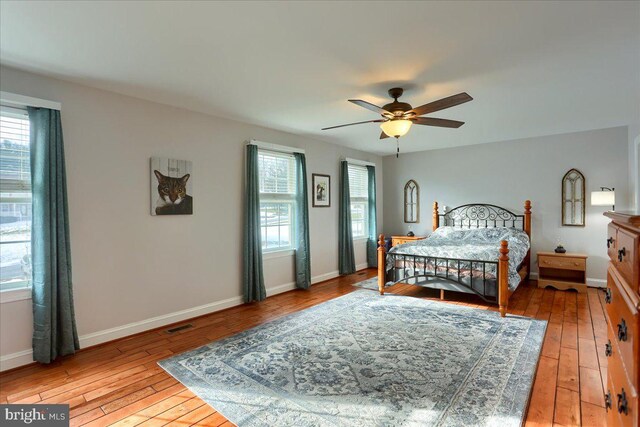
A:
277,200
15,200
359,192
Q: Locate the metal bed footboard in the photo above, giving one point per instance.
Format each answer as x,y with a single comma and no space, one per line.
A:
467,275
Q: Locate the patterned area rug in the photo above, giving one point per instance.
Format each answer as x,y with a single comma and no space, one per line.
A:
364,360
371,284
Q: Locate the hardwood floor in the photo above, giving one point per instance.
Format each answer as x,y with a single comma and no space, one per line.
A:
119,383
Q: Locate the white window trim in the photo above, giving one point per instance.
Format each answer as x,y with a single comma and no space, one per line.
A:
358,162
9,100
13,295
275,147
28,101
278,253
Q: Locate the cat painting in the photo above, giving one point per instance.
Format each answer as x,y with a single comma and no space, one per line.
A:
170,187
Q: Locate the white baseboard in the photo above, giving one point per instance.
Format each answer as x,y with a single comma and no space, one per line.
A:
14,360
595,283
24,357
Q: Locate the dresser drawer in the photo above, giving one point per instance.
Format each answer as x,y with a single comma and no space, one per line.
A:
623,396
563,263
627,256
612,242
623,326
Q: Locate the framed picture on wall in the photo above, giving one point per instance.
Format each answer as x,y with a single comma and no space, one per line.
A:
321,189
171,187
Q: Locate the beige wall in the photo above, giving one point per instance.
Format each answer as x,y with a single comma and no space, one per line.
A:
133,271
506,173
634,166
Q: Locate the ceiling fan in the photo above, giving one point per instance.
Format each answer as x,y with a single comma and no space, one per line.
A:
397,117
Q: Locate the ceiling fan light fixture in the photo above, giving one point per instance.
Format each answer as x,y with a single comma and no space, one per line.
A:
396,128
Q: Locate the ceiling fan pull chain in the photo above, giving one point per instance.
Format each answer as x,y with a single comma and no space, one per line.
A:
397,147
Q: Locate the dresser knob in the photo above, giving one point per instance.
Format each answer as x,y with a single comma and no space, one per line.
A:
622,330
607,400
607,296
609,242
608,350
621,254
623,405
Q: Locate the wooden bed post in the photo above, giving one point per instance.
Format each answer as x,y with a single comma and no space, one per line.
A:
381,264
436,217
527,217
503,277
527,229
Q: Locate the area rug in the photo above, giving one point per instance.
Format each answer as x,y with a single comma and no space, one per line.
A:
370,360
371,284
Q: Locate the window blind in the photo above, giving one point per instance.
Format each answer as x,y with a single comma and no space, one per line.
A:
15,174
358,182
277,173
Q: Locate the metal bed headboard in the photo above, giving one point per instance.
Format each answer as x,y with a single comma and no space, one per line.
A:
479,215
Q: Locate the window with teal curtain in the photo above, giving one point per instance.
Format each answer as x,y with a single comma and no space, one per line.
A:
346,259
372,242
54,325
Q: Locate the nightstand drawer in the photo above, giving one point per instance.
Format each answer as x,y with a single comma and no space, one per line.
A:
400,240
563,263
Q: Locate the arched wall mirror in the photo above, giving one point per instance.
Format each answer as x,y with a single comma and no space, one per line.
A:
573,199
411,202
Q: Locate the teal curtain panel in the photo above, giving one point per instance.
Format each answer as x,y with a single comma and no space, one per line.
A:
54,325
372,242
346,260
303,252
253,276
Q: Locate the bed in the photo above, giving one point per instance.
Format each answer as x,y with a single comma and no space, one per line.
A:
480,249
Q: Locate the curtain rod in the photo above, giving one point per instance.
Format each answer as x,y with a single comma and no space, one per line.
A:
276,147
27,101
358,162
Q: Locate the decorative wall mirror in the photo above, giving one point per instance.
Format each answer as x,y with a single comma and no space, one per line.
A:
573,199
411,202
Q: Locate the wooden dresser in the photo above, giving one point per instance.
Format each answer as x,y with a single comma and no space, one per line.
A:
622,306
399,240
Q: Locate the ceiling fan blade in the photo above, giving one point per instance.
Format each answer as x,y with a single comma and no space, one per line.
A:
369,106
383,135
432,121
356,123
441,104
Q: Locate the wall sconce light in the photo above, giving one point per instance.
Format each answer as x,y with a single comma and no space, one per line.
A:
605,197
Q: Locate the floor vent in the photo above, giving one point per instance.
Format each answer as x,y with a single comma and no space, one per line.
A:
179,328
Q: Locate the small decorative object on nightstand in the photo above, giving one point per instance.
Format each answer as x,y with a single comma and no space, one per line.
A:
398,240
560,249
562,271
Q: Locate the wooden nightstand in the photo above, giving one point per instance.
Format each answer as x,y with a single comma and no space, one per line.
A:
398,240
562,271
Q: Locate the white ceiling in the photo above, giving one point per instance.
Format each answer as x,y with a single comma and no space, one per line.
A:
533,68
